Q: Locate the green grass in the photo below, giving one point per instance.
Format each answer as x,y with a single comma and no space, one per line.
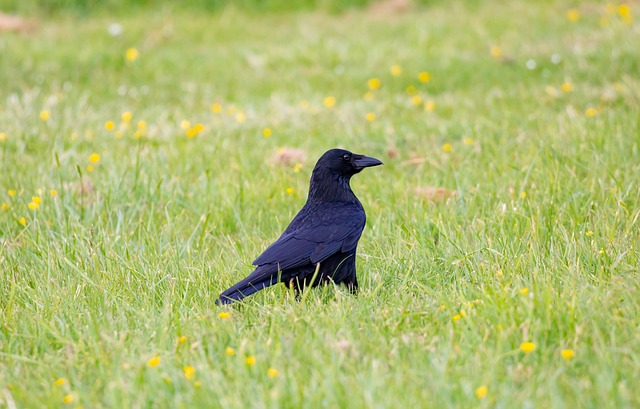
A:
128,258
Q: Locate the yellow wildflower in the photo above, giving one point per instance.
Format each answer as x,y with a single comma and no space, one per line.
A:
153,362
230,351
11,192
68,399
374,83
6,206
273,373
370,117
53,192
184,124
591,112
495,51
132,54
589,233
182,339
395,70
424,77
416,100
329,102
3,136
94,158
216,107
567,353
198,128
528,347
109,126
429,106
22,221
33,206
447,147
44,115
126,116
36,199
60,382
142,125
289,190
189,371
573,15
463,314
481,391
251,360
138,134
442,307
266,132
467,141
456,317
524,291
566,87
523,195
297,167
624,10
224,315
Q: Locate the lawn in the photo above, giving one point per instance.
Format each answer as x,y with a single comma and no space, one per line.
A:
147,157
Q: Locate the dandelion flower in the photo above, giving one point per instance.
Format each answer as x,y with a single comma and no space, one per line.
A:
329,102
481,391
589,233
456,317
289,190
266,132
467,141
273,373
573,15
94,158
109,126
528,347
424,77
591,112
68,399
224,315
22,221
6,206
447,147
624,10
370,117
442,307
33,206
495,51
198,128
153,362
182,339
567,353
11,192
230,351
216,107
189,371
132,54
138,134
524,291
251,360
142,125
36,199
463,314
395,70
3,136
416,100
429,106
566,87
60,382
374,84
523,195
126,116
45,115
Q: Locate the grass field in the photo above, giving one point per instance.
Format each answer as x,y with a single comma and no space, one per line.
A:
137,181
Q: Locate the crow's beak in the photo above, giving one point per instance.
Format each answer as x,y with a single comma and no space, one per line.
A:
366,162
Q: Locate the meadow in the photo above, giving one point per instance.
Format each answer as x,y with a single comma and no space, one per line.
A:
148,156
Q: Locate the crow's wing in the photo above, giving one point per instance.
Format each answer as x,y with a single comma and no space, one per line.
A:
314,240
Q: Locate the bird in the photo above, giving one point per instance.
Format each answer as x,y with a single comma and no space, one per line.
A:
319,245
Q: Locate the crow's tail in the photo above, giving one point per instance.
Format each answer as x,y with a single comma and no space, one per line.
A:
245,288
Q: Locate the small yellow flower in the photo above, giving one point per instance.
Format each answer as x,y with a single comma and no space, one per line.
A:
33,206
395,70
528,347
567,353
45,115
463,314
138,134
132,54
60,382
126,116
495,51
94,158
573,15
591,112
189,371
184,124
251,360
289,190
424,77
273,373
198,128
370,117
456,317
416,100
109,126
53,192
142,125
523,195
36,199
481,391
447,147
216,107
601,251
374,84
411,90
467,141
589,233
266,132
191,133
297,168
566,87
524,291
3,136
224,315
429,106
11,192
624,10
442,307
230,351
153,362
22,221
6,206
182,339
329,102
68,399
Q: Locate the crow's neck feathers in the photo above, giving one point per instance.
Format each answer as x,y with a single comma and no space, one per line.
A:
327,186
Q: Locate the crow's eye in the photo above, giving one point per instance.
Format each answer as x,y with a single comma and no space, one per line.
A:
346,156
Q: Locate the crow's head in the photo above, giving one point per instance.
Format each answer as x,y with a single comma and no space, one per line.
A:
344,163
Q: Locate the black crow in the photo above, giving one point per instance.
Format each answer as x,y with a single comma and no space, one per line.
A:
319,245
